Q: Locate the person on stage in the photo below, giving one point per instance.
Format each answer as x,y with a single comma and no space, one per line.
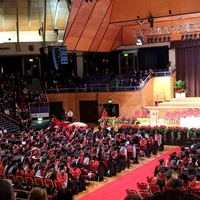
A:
70,115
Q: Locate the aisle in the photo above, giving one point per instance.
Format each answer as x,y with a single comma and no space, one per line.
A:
115,190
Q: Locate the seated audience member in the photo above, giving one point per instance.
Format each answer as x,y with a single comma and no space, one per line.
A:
37,194
135,83
158,180
63,194
132,197
145,74
6,190
173,194
150,72
195,184
175,180
141,82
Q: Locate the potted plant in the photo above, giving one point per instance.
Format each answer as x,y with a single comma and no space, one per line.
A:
180,89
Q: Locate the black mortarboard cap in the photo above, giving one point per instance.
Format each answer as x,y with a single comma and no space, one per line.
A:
187,143
3,154
164,169
161,160
185,162
105,141
87,148
15,152
62,142
18,158
42,164
52,159
64,156
61,164
175,167
69,148
51,166
5,159
96,144
182,155
168,173
113,142
43,150
185,172
9,155
191,168
106,148
76,154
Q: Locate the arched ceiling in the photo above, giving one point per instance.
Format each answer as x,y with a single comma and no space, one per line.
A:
105,25
96,25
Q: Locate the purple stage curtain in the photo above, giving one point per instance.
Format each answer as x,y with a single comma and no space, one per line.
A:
188,64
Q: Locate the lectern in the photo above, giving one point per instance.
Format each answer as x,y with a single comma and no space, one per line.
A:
153,117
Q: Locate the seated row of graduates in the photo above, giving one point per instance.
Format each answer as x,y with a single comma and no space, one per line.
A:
180,170
71,156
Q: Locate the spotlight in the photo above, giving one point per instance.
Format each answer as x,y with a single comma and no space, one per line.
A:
40,30
55,30
140,41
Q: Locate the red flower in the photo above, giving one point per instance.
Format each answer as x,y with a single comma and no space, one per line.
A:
181,90
136,126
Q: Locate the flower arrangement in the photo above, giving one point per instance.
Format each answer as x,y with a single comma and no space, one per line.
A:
180,86
123,120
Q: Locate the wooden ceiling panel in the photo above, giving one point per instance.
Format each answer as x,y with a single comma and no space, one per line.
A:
84,44
27,19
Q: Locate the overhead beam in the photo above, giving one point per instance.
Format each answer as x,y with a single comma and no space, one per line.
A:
17,22
56,14
44,23
3,14
29,12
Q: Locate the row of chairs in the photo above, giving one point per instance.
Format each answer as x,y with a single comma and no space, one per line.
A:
26,182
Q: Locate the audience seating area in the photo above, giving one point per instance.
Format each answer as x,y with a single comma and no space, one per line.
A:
180,171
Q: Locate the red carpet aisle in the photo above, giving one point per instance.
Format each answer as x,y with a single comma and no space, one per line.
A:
115,190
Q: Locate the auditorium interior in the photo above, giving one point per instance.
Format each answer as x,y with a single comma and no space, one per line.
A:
129,72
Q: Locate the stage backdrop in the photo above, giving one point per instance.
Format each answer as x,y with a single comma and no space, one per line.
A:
187,64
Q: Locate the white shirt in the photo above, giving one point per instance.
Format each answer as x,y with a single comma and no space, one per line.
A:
70,113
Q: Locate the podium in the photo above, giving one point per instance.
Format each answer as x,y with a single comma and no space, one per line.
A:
153,117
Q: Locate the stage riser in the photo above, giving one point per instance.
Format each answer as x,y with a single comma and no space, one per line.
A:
176,104
187,99
162,110
180,104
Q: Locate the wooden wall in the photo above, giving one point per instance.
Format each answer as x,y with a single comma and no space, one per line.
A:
128,101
